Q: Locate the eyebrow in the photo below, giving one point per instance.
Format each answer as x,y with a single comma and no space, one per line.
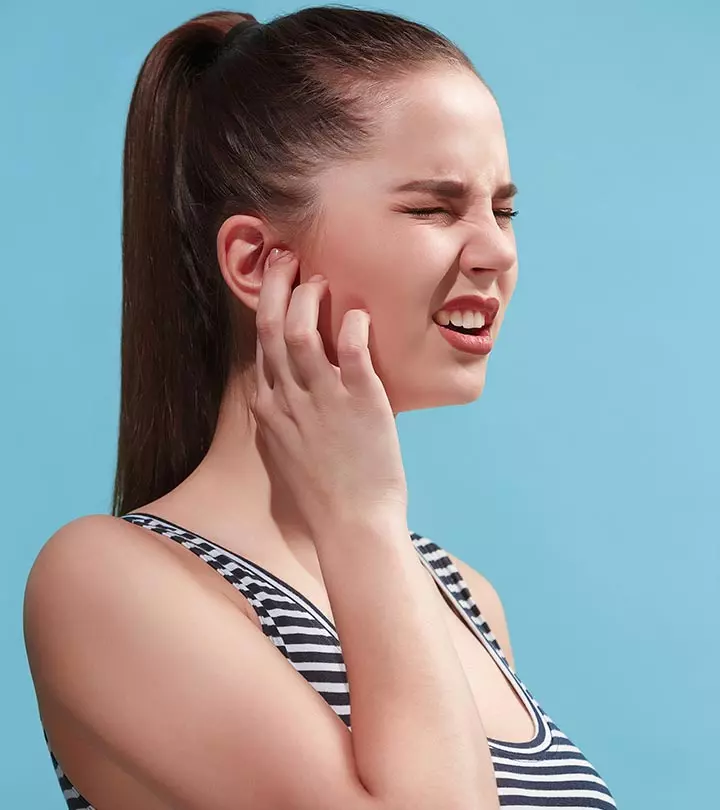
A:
452,189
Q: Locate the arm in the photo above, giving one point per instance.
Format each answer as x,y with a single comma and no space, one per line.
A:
417,734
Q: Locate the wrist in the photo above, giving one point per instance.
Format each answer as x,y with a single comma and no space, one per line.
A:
376,526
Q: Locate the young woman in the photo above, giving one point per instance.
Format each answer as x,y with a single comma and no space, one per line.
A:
203,646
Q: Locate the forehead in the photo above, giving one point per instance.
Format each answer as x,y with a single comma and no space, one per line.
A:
444,121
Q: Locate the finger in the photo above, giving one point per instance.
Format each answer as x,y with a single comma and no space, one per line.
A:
353,352
303,340
270,318
268,402
263,384
263,374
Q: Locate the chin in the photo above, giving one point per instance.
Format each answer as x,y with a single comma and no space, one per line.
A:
466,387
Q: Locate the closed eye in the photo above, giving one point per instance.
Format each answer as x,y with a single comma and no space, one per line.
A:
506,213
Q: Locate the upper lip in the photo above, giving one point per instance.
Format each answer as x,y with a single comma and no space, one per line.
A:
476,303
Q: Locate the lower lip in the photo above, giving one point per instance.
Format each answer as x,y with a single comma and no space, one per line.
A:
473,344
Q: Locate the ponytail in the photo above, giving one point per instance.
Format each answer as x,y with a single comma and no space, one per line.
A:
172,375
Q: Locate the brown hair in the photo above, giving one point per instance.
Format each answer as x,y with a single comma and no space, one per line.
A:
219,127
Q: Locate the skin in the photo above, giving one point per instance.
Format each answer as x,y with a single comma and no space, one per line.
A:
400,267
375,255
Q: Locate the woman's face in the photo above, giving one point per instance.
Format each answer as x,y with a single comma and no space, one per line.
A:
401,266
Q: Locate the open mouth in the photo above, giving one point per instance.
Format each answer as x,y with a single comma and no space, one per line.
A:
484,330
476,311
466,330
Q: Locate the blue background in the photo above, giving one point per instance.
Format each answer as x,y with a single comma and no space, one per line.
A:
583,483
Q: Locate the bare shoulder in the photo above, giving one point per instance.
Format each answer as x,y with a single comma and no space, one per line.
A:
83,535
82,558
489,603
81,550
158,670
89,533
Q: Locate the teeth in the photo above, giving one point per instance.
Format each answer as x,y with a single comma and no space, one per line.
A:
467,319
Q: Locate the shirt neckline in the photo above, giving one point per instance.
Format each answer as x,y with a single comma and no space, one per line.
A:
542,736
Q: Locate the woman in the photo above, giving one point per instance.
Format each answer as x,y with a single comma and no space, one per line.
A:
367,150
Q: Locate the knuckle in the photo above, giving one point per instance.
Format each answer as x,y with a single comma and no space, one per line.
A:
350,348
263,402
267,324
299,336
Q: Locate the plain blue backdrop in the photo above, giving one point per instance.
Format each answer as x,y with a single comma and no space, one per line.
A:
583,483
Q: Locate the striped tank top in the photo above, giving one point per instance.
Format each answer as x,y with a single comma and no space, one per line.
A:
547,771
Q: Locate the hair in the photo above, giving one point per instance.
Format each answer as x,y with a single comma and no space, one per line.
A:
219,126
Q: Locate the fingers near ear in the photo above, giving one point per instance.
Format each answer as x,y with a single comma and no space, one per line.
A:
263,375
353,353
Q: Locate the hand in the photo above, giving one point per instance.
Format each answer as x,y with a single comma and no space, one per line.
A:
329,429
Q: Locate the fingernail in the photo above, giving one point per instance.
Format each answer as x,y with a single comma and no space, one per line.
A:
316,277
277,255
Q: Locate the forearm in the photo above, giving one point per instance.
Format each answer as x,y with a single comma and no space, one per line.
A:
417,736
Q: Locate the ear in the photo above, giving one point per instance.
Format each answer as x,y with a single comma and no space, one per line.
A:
243,244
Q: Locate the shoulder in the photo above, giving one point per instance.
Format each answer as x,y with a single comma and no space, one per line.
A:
94,529
75,541
82,559
489,603
94,578
83,543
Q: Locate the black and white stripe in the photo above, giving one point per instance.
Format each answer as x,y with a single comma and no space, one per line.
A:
546,771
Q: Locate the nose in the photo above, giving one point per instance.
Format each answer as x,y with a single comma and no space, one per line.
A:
491,249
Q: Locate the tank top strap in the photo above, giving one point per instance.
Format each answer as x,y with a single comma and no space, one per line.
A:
454,588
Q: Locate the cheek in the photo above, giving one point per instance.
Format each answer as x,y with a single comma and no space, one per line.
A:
394,335
335,305
345,291
357,282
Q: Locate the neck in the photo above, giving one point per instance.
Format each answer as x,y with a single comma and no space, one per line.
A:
237,495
